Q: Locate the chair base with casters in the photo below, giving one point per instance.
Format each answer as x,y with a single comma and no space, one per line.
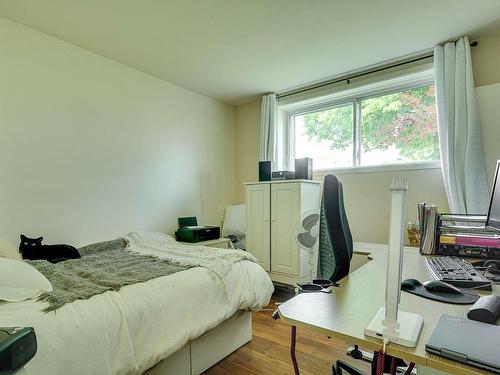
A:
365,356
392,365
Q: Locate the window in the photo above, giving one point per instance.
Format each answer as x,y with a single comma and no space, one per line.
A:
392,126
326,136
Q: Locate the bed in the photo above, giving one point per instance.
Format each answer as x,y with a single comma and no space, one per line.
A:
177,324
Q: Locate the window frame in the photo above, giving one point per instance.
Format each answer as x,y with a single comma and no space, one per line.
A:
354,96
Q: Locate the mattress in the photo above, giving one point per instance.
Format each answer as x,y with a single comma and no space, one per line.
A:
129,331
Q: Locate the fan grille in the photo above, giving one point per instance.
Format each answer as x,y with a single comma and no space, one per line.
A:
306,239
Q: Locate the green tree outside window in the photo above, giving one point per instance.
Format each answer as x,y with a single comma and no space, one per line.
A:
405,120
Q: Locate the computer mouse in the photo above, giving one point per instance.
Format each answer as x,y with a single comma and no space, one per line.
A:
410,284
437,286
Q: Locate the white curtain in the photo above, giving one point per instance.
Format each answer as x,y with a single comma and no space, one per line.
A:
268,131
459,129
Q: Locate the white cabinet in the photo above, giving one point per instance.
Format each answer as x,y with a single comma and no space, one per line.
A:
274,211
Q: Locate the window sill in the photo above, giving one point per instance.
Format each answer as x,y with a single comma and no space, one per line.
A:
381,168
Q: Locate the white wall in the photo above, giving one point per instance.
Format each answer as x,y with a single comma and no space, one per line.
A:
485,58
367,199
488,98
91,149
247,144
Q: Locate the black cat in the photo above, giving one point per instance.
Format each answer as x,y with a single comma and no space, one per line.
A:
32,249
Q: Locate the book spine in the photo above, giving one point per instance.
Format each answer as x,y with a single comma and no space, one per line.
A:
421,223
477,241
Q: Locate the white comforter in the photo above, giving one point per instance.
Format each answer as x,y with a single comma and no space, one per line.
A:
129,331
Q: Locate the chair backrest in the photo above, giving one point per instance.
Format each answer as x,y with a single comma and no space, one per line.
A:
335,245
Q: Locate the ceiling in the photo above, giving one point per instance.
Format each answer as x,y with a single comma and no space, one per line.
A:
233,50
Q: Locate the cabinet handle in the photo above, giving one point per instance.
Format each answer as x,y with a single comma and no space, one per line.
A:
273,220
266,220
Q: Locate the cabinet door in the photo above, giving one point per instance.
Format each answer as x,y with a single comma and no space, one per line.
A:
258,207
284,219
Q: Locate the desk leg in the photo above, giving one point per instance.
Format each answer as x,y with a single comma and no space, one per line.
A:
374,364
292,351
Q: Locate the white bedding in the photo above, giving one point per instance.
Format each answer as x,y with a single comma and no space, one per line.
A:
129,331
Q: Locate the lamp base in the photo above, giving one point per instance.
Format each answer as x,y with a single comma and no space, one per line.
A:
407,333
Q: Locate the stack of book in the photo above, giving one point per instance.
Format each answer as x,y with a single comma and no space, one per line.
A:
456,235
428,219
466,235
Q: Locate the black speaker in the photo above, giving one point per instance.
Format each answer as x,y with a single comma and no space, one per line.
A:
17,347
265,168
304,169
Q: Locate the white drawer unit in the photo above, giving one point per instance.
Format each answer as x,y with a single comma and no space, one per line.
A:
274,212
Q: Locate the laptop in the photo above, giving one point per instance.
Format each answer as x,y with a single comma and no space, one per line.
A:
466,341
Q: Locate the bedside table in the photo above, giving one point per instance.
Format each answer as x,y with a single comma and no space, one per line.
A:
222,243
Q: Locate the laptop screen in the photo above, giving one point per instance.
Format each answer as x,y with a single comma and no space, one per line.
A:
493,220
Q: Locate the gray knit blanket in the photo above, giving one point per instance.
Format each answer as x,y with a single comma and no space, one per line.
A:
102,267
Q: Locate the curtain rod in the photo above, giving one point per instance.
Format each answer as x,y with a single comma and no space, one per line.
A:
427,55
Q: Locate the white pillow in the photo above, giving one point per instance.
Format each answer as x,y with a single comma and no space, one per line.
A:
19,281
8,251
234,221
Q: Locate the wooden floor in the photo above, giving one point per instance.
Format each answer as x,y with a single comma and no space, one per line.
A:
269,350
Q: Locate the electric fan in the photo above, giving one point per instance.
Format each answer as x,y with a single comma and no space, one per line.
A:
307,236
308,231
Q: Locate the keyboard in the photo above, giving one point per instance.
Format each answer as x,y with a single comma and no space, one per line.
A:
457,272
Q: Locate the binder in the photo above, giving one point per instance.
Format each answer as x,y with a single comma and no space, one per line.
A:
429,224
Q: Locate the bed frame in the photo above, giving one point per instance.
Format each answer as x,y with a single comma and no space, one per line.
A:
205,351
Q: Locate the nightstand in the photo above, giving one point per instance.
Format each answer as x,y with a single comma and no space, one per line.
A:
222,243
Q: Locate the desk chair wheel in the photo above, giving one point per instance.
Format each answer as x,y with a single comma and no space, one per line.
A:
356,353
275,315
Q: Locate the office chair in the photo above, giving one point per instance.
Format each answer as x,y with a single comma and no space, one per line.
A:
335,254
335,244
335,240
